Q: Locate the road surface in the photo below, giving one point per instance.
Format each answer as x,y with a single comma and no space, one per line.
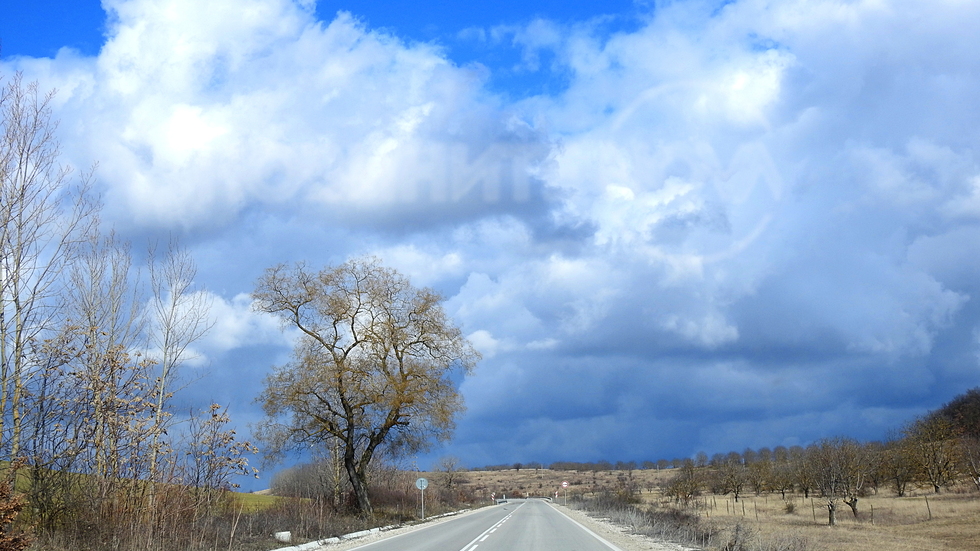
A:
516,525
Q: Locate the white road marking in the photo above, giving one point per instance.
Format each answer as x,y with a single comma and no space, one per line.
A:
472,545
593,534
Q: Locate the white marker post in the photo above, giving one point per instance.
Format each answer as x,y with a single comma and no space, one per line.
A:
422,484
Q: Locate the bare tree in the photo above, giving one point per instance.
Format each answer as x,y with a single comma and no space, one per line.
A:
970,455
782,477
370,368
759,475
731,476
43,217
932,445
686,484
451,471
214,455
898,466
841,472
804,469
180,316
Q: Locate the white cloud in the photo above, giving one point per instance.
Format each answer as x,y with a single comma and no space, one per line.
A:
237,325
196,111
768,184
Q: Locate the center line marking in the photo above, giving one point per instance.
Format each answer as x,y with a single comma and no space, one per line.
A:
473,544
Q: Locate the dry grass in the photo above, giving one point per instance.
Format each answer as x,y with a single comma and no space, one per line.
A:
899,523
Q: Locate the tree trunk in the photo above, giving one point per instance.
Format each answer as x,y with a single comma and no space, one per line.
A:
358,481
853,504
832,512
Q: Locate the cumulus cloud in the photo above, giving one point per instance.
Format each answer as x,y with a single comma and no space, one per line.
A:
235,325
760,218
766,185
196,111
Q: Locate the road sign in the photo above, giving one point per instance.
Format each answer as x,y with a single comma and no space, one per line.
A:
564,484
422,484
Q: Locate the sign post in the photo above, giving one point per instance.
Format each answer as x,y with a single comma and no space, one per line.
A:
422,484
564,486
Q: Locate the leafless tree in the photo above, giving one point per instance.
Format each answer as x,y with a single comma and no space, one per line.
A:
731,476
759,475
686,484
897,465
44,215
179,317
932,445
371,368
214,455
970,455
782,477
450,472
804,469
840,472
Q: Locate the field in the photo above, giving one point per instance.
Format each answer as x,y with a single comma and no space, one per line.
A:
921,521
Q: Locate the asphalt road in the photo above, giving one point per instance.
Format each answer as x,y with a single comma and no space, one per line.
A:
532,525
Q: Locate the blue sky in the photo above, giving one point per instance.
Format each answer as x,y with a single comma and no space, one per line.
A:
669,227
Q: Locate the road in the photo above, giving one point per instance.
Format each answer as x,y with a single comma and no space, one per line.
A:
516,525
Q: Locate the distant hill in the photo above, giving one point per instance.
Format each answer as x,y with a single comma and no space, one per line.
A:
964,412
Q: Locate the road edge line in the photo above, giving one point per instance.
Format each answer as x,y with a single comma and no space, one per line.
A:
593,534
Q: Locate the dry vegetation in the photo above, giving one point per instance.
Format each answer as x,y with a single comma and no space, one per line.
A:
898,523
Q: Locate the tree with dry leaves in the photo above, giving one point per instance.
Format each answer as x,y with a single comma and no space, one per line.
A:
371,369
214,456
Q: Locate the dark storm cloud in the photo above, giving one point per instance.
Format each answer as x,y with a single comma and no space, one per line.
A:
747,226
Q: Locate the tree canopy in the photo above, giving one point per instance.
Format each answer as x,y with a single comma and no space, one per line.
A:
371,369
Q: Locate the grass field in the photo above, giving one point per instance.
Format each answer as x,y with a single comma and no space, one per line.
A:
921,521
253,502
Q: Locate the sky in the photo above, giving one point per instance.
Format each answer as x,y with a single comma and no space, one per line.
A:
669,227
